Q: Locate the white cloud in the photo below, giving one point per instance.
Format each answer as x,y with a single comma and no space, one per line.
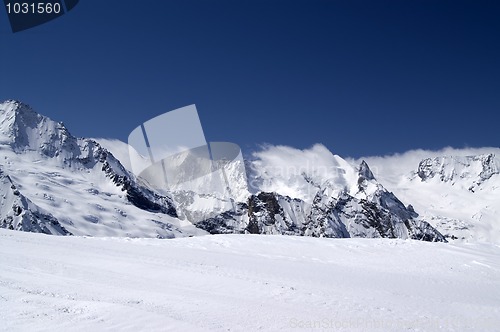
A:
282,168
121,152
298,173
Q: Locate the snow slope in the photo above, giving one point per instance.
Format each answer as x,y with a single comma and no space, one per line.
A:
246,283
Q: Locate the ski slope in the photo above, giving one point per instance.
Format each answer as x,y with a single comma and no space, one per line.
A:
246,283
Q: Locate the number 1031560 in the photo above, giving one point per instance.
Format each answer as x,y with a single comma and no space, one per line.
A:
33,8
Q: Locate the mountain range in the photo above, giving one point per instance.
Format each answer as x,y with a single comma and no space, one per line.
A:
52,182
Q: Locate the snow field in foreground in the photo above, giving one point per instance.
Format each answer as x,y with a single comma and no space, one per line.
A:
246,282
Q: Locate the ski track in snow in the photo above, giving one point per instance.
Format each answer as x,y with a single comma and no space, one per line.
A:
246,283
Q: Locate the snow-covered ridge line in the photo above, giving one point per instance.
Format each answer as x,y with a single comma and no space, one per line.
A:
308,192
456,190
473,170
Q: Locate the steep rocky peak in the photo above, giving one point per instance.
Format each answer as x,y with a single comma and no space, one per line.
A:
24,129
365,172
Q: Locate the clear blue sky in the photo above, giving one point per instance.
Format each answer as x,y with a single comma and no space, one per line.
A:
361,77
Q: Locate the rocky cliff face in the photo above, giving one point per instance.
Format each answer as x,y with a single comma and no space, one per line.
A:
470,170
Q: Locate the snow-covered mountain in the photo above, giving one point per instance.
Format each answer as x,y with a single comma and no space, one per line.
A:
55,183
468,172
362,208
457,191
312,197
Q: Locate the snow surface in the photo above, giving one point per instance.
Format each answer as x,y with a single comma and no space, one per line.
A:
246,283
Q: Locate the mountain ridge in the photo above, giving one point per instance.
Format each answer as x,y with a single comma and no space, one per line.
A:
28,137
321,195
457,190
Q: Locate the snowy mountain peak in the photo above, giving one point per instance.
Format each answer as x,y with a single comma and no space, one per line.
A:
85,188
469,171
367,186
16,113
15,106
365,172
25,130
